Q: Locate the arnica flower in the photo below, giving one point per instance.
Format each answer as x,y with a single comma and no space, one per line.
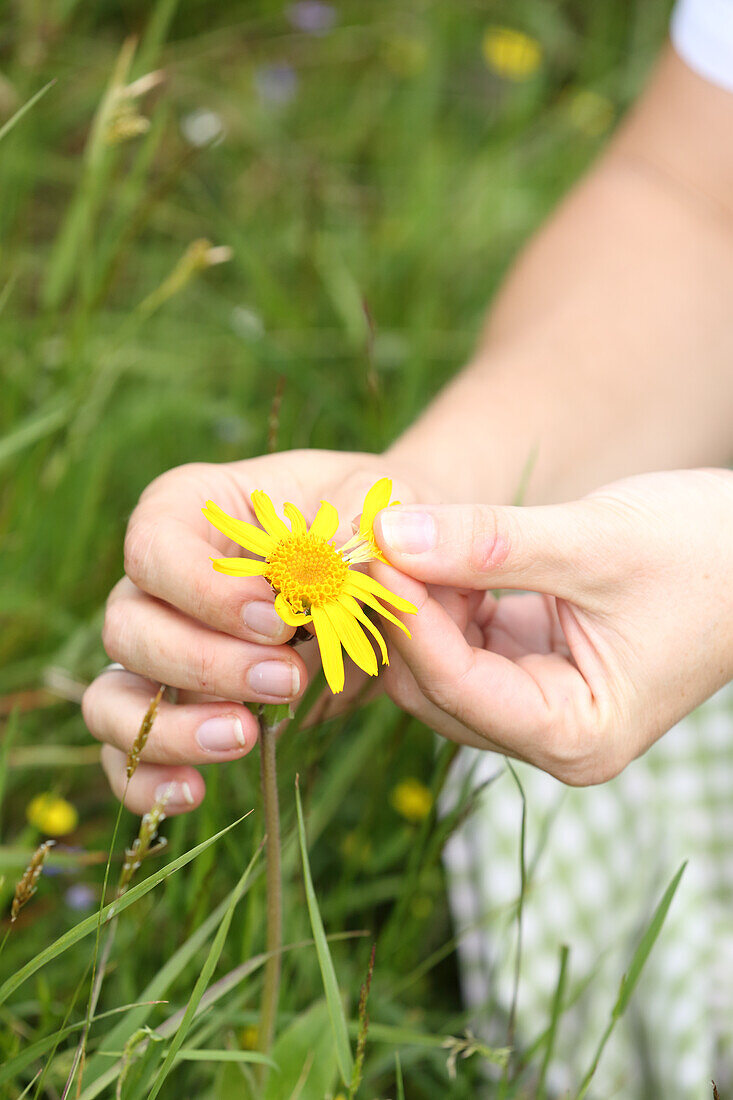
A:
510,53
314,581
412,799
52,815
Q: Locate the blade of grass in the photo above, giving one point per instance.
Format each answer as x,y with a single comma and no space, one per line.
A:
35,427
398,1076
16,1065
89,925
202,981
631,978
556,1012
213,994
15,119
225,1056
333,997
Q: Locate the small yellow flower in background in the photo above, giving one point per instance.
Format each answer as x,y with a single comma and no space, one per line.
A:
52,815
355,849
591,112
510,53
412,799
313,580
249,1038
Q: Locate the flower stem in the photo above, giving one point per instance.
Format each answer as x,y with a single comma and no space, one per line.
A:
271,987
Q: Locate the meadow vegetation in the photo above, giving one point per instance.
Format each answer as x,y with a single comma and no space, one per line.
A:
311,214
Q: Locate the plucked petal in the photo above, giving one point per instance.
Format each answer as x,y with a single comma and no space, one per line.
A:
376,499
267,516
240,567
248,536
326,522
330,647
288,616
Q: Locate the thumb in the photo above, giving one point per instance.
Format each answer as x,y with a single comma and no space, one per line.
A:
552,549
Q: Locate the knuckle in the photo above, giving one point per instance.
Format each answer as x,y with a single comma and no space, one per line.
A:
205,665
138,547
88,705
488,546
113,630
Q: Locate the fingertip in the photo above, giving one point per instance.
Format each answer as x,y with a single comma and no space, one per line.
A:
262,623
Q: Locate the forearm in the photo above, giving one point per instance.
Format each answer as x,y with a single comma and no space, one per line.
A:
609,350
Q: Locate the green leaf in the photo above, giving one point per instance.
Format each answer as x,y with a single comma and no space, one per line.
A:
630,979
202,981
557,1007
339,1025
305,1056
398,1076
89,925
10,1070
35,427
15,119
156,989
225,1056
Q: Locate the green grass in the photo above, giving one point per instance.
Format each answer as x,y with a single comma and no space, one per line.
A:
403,175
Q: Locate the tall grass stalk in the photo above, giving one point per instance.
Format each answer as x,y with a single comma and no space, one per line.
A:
271,811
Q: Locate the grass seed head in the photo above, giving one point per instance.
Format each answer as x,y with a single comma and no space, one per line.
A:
26,887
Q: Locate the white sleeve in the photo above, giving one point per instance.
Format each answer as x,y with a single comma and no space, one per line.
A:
702,35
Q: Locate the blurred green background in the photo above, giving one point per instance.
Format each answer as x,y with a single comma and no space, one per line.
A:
373,168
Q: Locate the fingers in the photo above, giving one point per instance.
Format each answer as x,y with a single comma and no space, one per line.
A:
184,786
156,641
479,546
538,708
168,548
114,704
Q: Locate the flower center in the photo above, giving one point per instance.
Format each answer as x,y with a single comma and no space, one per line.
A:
307,571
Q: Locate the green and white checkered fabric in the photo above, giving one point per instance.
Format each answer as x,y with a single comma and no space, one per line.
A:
602,857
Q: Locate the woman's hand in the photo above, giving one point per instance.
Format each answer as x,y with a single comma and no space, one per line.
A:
628,627
173,620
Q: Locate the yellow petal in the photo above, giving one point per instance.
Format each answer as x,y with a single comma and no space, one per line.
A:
373,602
287,614
248,536
240,567
267,516
326,521
364,583
351,605
297,520
330,647
376,499
352,637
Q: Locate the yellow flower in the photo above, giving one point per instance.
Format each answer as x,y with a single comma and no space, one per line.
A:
249,1038
510,53
52,815
313,580
412,799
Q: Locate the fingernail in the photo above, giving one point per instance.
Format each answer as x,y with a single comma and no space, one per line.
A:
261,617
175,793
279,678
408,532
221,734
